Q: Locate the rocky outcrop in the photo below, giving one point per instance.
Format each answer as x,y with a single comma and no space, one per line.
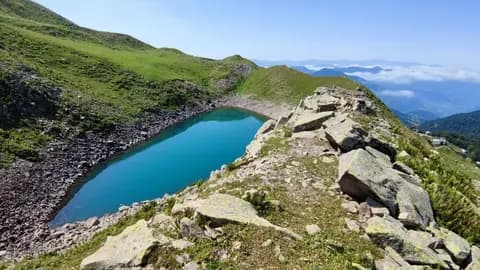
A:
345,133
223,208
412,245
310,121
131,248
363,175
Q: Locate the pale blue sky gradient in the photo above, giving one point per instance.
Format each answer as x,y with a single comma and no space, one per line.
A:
433,32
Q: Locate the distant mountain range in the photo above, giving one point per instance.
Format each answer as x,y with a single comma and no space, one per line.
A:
415,118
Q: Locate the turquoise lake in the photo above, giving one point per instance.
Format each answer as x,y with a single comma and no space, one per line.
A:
176,158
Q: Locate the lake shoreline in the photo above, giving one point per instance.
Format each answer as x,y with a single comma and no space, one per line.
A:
32,192
25,230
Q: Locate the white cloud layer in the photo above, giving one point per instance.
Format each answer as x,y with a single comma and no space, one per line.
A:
408,74
397,93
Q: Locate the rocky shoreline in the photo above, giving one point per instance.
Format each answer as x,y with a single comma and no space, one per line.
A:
31,193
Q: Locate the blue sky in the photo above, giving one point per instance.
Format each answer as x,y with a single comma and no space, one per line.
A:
433,32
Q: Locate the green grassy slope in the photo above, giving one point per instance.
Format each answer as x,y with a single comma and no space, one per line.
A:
105,78
280,83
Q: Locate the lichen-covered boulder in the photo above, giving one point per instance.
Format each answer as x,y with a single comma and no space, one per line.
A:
363,175
392,261
386,232
413,246
131,248
458,247
224,208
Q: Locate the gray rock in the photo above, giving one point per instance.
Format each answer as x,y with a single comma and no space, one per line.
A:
267,243
312,229
392,261
382,146
181,244
310,121
224,208
131,248
345,134
189,228
350,206
445,256
266,127
362,175
475,264
191,266
458,247
400,166
388,232
92,222
320,103
352,225
162,222
381,157
282,120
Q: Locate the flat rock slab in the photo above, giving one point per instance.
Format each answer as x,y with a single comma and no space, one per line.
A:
224,208
307,121
130,248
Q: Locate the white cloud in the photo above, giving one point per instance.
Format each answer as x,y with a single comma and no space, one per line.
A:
408,74
397,93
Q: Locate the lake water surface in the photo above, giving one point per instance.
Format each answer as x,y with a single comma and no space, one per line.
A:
178,157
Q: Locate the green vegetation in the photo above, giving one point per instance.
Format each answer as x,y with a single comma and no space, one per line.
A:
283,84
105,78
449,185
72,258
463,124
469,143
23,143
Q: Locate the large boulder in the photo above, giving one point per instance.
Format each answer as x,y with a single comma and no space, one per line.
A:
456,246
306,121
386,232
412,245
320,103
131,248
224,208
363,175
345,133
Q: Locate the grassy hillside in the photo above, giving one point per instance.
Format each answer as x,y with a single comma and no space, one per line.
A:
101,79
280,83
463,123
